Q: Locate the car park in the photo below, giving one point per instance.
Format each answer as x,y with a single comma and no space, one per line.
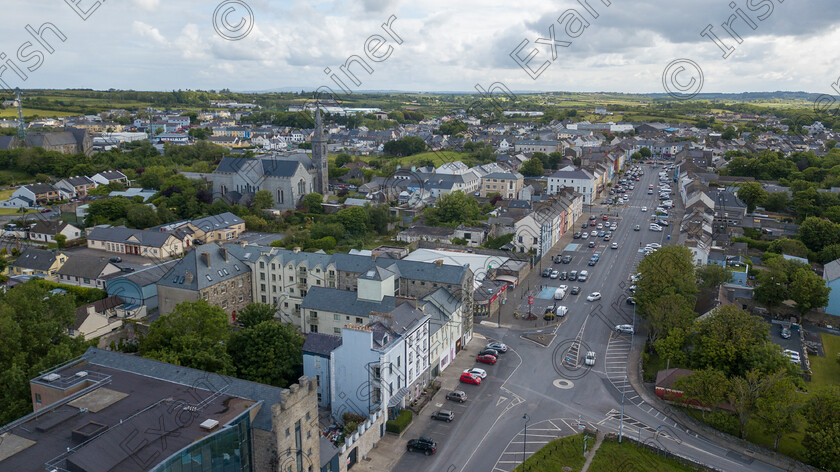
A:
500,347
457,396
443,415
470,379
422,444
476,371
662,222
547,272
594,296
590,358
486,359
624,328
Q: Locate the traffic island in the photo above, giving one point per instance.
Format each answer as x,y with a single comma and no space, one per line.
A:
543,339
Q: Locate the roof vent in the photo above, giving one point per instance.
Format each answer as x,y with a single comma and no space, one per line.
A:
81,374
50,377
209,425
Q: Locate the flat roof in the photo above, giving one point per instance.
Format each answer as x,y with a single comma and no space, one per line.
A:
119,421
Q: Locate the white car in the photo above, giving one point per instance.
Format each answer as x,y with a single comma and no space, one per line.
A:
614,246
590,358
594,296
584,236
644,208
624,328
477,372
656,228
614,227
654,245
563,287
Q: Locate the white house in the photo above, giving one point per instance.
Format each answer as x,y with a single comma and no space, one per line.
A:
580,180
46,231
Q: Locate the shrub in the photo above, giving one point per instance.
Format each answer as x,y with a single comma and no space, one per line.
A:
399,424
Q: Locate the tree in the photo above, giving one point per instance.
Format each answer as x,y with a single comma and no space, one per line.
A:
753,194
730,133
822,433
791,247
453,208
645,152
818,233
154,177
778,408
532,168
743,395
672,346
342,159
669,312
708,386
192,335
713,275
771,289
141,216
254,314
452,128
668,271
269,353
728,339
636,156
407,146
807,289
60,242
312,201
354,219
262,200
830,253
776,201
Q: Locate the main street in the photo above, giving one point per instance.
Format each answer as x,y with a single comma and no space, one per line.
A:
549,387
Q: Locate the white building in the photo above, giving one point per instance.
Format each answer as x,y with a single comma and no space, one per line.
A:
579,180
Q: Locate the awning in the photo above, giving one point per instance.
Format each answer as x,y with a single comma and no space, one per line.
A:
507,278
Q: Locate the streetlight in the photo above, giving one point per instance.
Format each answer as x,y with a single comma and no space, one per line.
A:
525,443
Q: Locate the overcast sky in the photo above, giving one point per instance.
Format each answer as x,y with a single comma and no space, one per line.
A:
447,45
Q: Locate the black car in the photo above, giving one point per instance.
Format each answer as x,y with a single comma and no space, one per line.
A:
592,262
591,243
127,269
575,290
584,225
573,275
443,415
577,235
563,276
422,444
566,259
489,352
546,273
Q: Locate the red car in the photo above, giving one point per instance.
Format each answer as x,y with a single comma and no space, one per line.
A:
604,217
466,377
486,359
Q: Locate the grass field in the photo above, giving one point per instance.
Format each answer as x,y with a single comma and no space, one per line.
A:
5,194
826,370
612,456
28,113
563,452
14,212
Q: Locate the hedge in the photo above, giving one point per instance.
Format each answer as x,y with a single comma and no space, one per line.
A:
398,425
84,295
753,243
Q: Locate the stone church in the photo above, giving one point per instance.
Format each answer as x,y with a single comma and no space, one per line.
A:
288,177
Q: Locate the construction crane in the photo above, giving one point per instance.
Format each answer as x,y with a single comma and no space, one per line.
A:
21,124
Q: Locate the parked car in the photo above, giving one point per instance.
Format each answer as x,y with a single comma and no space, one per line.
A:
443,415
501,347
590,358
476,371
489,352
594,296
127,269
554,274
422,444
116,259
470,379
631,301
583,276
624,328
584,226
577,235
591,244
486,359
563,276
636,228
566,259
573,275
457,396
575,290
585,235
785,333
547,272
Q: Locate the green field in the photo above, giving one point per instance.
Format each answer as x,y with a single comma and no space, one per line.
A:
438,158
563,452
826,370
28,113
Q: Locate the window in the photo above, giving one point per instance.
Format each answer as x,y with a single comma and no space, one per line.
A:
37,398
313,313
262,265
337,330
262,275
263,299
262,287
313,328
359,320
337,317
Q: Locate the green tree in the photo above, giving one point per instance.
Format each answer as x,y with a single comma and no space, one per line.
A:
262,201
453,208
730,133
254,314
713,275
637,156
708,386
753,194
141,216
668,271
771,284
342,159
776,201
60,242
791,247
192,335
645,152
407,146
672,347
269,353
818,233
830,253
669,312
778,408
312,201
728,339
321,230
822,433
532,168
452,128
743,396
354,219
154,177
807,289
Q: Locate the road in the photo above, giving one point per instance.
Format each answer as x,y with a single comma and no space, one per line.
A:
551,389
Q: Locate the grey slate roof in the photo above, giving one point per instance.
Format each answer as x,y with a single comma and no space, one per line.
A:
202,275
321,344
79,181
831,271
268,167
345,302
192,377
121,234
35,259
215,222
572,174
7,142
87,267
445,274
150,275
39,189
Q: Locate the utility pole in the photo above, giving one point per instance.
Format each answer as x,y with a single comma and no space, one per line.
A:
525,442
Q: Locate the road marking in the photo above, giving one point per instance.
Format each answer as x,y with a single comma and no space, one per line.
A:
501,400
563,384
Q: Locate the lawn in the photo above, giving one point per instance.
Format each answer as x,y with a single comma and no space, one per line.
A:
557,454
14,212
6,193
614,457
16,175
826,370
29,113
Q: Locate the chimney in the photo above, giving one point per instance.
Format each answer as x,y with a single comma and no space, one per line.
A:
439,263
224,252
296,250
205,258
188,277
373,256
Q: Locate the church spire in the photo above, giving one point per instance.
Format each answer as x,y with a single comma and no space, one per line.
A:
319,155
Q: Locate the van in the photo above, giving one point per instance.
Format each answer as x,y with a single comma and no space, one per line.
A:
559,294
561,310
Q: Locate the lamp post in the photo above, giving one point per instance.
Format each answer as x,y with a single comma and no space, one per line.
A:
525,442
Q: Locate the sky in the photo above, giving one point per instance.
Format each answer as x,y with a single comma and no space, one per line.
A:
641,46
